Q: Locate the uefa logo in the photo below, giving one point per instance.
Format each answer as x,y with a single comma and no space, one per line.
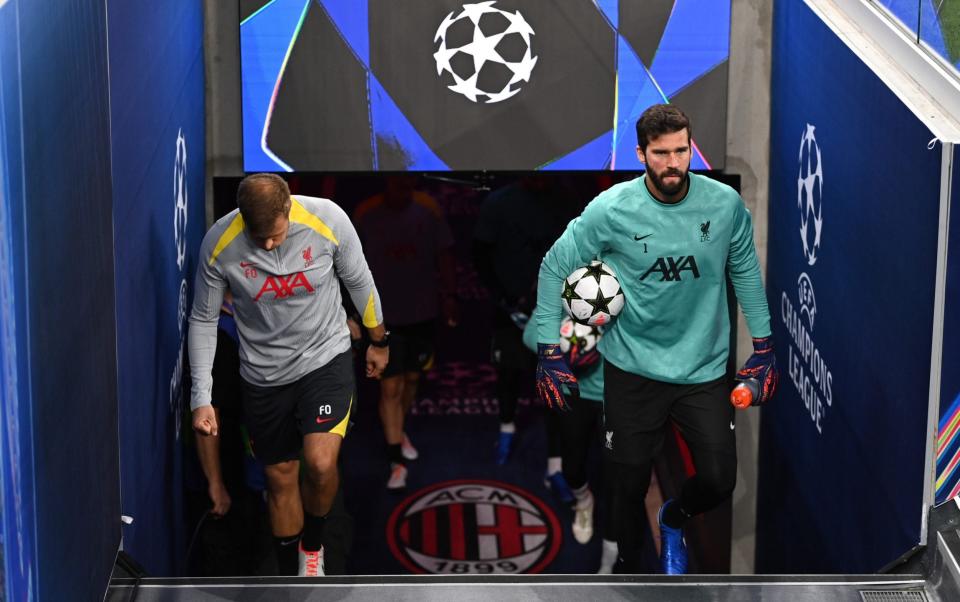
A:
473,527
808,300
485,51
809,194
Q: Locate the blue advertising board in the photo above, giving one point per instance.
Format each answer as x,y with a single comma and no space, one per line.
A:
16,459
854,203
948,429
61,504
157,100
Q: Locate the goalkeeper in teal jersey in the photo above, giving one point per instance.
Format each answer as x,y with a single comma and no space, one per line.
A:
671,237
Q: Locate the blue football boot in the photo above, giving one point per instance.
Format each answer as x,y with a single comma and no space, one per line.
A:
558,485
673,550
503,447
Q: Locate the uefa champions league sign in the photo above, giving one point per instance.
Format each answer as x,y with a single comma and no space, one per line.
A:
806,367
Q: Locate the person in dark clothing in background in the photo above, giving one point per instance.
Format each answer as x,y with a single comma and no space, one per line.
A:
408,244
516,226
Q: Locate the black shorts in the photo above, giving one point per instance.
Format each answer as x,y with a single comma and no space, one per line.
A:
279,417
411,347
636,411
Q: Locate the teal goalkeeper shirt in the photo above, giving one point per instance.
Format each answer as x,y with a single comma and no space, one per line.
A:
671,261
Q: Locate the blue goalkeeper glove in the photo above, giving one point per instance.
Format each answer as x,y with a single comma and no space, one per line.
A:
762,366
552,374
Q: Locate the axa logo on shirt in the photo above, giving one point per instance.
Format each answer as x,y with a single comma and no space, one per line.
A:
671,268
284,286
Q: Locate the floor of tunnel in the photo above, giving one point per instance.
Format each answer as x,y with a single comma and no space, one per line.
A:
460,512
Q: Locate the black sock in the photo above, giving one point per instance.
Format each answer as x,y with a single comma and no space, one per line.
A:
286,549
312,532
395,453
674,516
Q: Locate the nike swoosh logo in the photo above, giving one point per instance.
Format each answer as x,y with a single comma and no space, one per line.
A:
635,237
732,426
322,420
246,264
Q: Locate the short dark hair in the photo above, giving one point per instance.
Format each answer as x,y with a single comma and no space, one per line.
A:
658,120
262,198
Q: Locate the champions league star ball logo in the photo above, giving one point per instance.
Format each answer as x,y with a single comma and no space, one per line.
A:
809,190
486,51
473,527
180,199
182,307
180,243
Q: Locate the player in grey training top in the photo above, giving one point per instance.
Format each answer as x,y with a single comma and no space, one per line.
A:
288,304
282,258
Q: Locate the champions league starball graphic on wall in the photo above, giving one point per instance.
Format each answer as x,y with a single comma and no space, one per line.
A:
809,194
806,367
491,57
180,199
439,85
180,205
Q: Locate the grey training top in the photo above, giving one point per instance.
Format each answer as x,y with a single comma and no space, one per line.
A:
287,300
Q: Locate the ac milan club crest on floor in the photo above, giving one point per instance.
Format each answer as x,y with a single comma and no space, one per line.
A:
473,527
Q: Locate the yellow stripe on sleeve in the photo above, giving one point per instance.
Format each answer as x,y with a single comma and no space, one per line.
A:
370,313
300,215
234,229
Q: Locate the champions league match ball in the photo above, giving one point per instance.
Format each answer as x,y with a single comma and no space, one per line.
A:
574,335
592,295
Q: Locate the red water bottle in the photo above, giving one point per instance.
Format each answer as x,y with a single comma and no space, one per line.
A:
745,393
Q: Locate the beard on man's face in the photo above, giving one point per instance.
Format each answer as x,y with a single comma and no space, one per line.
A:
673,187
